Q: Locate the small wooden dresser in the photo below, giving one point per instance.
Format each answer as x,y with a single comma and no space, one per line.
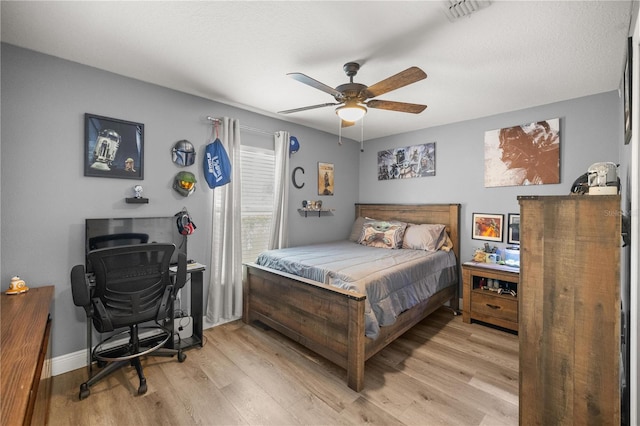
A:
489,306
24,355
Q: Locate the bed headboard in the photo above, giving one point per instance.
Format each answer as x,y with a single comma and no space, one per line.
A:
446,214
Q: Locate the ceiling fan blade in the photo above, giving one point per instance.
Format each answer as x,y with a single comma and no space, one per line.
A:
396,106
404,78
289,111
302,78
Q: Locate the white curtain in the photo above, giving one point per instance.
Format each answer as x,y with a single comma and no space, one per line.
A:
225,287
279,236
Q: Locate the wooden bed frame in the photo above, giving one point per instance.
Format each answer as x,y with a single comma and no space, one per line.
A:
330,321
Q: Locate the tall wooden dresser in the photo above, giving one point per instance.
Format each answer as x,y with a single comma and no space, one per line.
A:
569,306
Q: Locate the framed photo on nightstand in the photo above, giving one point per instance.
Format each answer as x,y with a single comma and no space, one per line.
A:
488,227
513,234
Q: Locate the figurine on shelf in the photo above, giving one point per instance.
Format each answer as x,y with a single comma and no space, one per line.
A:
17,286
138,190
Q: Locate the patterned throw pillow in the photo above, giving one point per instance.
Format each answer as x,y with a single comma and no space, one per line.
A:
382,234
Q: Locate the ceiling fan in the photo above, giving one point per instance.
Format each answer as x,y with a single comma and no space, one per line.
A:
353,96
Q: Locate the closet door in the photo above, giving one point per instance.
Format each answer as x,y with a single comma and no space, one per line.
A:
569,307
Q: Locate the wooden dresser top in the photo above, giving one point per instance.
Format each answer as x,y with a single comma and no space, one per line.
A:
24,319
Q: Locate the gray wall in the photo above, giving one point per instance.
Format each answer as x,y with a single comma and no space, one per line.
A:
590,131
46,198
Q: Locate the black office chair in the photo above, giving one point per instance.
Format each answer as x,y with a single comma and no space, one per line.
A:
133,291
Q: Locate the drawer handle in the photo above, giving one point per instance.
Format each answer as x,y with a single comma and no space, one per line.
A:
493,306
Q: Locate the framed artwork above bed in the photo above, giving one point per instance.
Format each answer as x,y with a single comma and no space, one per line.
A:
407,162
527,154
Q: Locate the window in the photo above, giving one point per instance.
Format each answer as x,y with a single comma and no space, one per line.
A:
258,177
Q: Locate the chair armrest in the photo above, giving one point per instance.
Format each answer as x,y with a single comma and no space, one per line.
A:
181,273
80,287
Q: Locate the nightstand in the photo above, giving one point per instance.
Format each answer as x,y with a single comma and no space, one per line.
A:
490,294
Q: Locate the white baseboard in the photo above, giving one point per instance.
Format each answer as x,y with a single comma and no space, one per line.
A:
206,324
72,361
69,362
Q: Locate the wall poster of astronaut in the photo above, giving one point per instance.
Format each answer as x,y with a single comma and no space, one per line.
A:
407,162
528,154
113,148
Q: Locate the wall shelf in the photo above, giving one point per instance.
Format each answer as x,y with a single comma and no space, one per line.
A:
314,211
134,200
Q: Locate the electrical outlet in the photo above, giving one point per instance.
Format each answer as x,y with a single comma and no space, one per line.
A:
183,326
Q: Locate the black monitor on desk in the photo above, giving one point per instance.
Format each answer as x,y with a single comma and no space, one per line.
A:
111,232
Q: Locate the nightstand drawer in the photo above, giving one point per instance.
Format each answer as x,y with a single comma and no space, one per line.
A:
497,307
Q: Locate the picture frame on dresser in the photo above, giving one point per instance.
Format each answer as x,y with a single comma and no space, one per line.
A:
487,227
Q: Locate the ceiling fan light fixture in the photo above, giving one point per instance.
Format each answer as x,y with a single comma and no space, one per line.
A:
351,112
455,9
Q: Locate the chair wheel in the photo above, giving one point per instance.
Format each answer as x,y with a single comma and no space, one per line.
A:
143,387
181,356
84,391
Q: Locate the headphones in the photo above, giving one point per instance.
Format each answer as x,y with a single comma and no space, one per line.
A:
185,225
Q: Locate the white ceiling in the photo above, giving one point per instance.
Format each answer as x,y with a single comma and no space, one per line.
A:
507,56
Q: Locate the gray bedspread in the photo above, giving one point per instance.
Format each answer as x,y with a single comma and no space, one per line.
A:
392,280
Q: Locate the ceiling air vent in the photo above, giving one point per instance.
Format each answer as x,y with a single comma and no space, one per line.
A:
455,9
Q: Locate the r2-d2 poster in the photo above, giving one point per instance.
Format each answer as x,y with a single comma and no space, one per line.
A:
113,148
407,162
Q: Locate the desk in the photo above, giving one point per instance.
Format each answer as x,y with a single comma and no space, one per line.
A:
25,331
196,277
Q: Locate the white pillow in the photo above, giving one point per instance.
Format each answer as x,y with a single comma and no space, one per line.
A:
356,229
429,237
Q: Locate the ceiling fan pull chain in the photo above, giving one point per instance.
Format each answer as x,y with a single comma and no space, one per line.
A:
362,135
339,132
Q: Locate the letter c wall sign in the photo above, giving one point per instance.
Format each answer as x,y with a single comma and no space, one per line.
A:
293,177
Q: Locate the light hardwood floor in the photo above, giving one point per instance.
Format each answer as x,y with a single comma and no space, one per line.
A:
441,372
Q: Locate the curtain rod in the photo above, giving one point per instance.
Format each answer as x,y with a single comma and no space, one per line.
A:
243,127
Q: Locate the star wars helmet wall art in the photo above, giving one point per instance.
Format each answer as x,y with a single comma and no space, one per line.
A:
183,153
185,183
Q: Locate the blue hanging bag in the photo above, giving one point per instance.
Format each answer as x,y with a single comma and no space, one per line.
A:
217,167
